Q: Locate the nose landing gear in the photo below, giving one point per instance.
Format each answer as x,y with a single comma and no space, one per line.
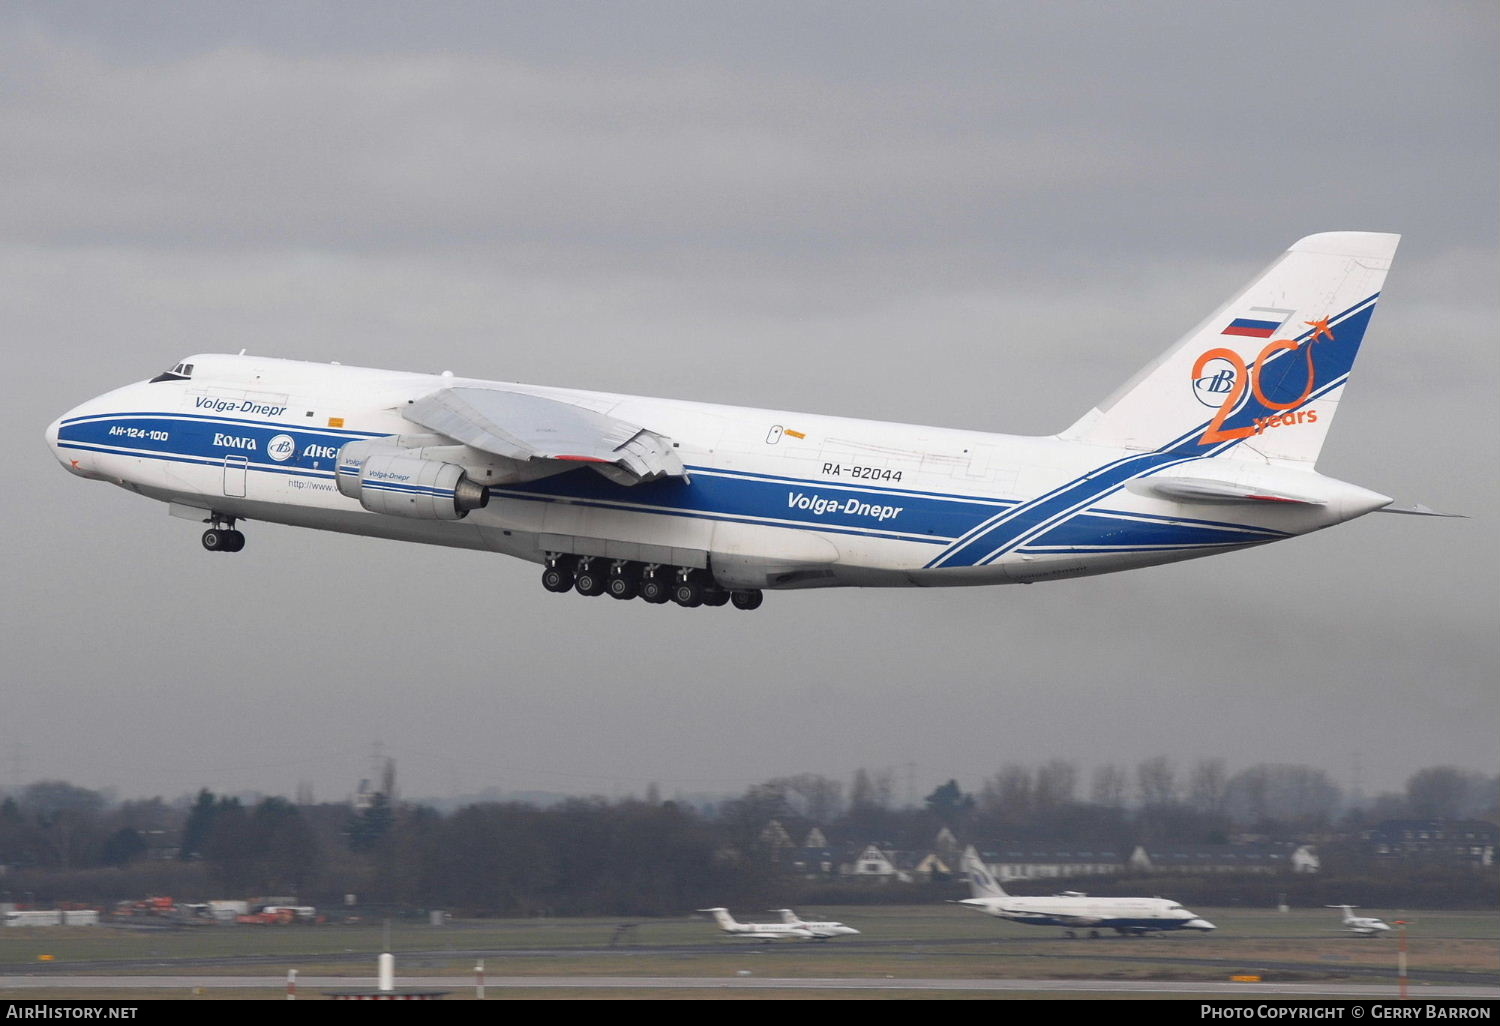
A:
223,538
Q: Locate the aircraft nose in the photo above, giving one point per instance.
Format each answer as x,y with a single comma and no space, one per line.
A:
1199,924
53,431
74,461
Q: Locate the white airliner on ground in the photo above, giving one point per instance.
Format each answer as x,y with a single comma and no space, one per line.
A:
1363,926
757,931
1208,449
820,931
1073,911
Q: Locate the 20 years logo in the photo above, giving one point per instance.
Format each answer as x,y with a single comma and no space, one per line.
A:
1221,376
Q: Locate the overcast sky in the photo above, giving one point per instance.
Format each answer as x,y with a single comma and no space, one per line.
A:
980,215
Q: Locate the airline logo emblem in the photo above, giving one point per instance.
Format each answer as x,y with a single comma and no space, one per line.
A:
1216,383
1258,322
281,448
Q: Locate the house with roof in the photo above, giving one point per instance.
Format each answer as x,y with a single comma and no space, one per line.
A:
879,864
1453,841
1045,862
1225,858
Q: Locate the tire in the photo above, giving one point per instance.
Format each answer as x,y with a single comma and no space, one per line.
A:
589,582
654,591
715,597
556,579
687,593
622,587
215,540
747,599
236,541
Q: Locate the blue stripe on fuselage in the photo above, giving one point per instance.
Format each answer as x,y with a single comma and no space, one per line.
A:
935,518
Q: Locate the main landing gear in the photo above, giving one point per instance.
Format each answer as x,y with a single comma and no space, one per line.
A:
654,583
222,537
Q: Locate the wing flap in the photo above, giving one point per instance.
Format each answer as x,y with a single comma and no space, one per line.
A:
522,426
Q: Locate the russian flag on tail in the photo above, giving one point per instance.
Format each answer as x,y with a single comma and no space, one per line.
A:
1258,322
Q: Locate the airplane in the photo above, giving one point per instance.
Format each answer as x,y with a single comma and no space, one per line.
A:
757,931
1362,926
820,931
1208,449
1072,910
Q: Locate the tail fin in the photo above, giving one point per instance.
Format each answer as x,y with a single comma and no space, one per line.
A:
788,916
722,917
1260,379
982,883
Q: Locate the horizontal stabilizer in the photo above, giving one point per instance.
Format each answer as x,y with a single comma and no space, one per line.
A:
1418,510
1186,489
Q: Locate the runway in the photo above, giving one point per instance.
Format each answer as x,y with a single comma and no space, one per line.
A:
312,986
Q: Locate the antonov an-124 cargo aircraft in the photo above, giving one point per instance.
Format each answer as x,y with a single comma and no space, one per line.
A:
1208,449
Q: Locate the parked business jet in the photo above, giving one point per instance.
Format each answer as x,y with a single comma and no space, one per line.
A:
1362,926
1208,449
757,931
820,931
1074,911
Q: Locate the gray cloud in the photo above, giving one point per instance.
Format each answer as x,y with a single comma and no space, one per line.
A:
970,215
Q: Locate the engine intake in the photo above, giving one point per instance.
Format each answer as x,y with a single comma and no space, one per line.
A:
402,483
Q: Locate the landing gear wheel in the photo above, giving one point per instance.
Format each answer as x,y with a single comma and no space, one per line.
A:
715,597
654,590
622,587
236,541
220,539
589,582
747,599
556,579
688,593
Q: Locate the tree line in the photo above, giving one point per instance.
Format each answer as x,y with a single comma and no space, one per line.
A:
647,856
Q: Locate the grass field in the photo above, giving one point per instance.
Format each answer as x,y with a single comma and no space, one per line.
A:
927,942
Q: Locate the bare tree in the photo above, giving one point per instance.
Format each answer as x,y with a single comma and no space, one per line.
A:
1444,792
1269,797
819,798
1006,798
1108,786
1156,782
1207,787
1055,784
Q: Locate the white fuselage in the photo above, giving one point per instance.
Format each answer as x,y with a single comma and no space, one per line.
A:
771,499
1127,915
1365,926
821,931
758,931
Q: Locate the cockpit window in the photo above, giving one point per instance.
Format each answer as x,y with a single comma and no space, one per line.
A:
181,372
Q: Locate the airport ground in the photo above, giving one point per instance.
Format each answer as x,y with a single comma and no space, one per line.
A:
914,951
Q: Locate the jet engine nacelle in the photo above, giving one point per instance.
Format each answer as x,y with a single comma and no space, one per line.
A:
402,483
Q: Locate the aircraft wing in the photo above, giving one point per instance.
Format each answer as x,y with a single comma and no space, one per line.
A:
525,427
1076,920
1061,918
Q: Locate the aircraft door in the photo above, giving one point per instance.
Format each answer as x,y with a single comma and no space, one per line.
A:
235,468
